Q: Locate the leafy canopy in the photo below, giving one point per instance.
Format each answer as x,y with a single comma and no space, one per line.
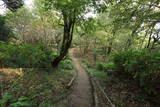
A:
73,8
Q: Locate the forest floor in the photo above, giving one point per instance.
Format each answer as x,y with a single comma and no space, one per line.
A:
40,88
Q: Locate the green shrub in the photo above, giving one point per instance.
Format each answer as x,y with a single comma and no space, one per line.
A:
142,65
137,61
66,64
98,74
26,55
6,99
5,31
105,66
86,63
100,66
110,66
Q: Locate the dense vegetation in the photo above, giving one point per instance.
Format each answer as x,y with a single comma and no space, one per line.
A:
5,31
143,66
25,56
118,40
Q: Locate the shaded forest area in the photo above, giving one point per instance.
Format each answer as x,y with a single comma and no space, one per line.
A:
118,42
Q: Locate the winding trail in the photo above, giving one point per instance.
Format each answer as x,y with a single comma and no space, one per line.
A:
81,95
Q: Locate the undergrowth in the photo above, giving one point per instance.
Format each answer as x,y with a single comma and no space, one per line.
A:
35,87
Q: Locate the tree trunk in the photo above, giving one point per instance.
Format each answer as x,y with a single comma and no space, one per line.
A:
67,39
149,41
150,36
111,43
146,33
109,50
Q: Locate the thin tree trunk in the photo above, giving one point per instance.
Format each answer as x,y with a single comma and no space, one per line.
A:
150,36
111,43
109,49
146,33
149,41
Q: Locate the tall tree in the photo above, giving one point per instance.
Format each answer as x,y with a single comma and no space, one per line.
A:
71,11
13,5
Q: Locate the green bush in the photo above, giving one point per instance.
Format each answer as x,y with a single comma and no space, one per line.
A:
110,66
66,64
137,61
26,55
105,66
87,63
100,65
5,31
142,65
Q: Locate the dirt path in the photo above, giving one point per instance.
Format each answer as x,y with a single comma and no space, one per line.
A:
81,95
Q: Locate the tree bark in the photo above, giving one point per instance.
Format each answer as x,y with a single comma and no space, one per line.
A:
109,50
111,43
67,39
149,41
150,36
146,33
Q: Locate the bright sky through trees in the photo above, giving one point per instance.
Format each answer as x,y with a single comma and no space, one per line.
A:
28,4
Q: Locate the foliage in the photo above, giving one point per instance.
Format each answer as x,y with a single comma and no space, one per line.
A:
105,66
5,31
5,99
116,26
66,64
142,60
34,26
26,55
8,100
95,73
70,10
142,65
33,88
86,63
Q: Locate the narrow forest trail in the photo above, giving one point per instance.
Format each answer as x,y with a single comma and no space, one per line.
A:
82,94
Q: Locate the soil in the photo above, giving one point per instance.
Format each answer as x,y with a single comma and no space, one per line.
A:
82,94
